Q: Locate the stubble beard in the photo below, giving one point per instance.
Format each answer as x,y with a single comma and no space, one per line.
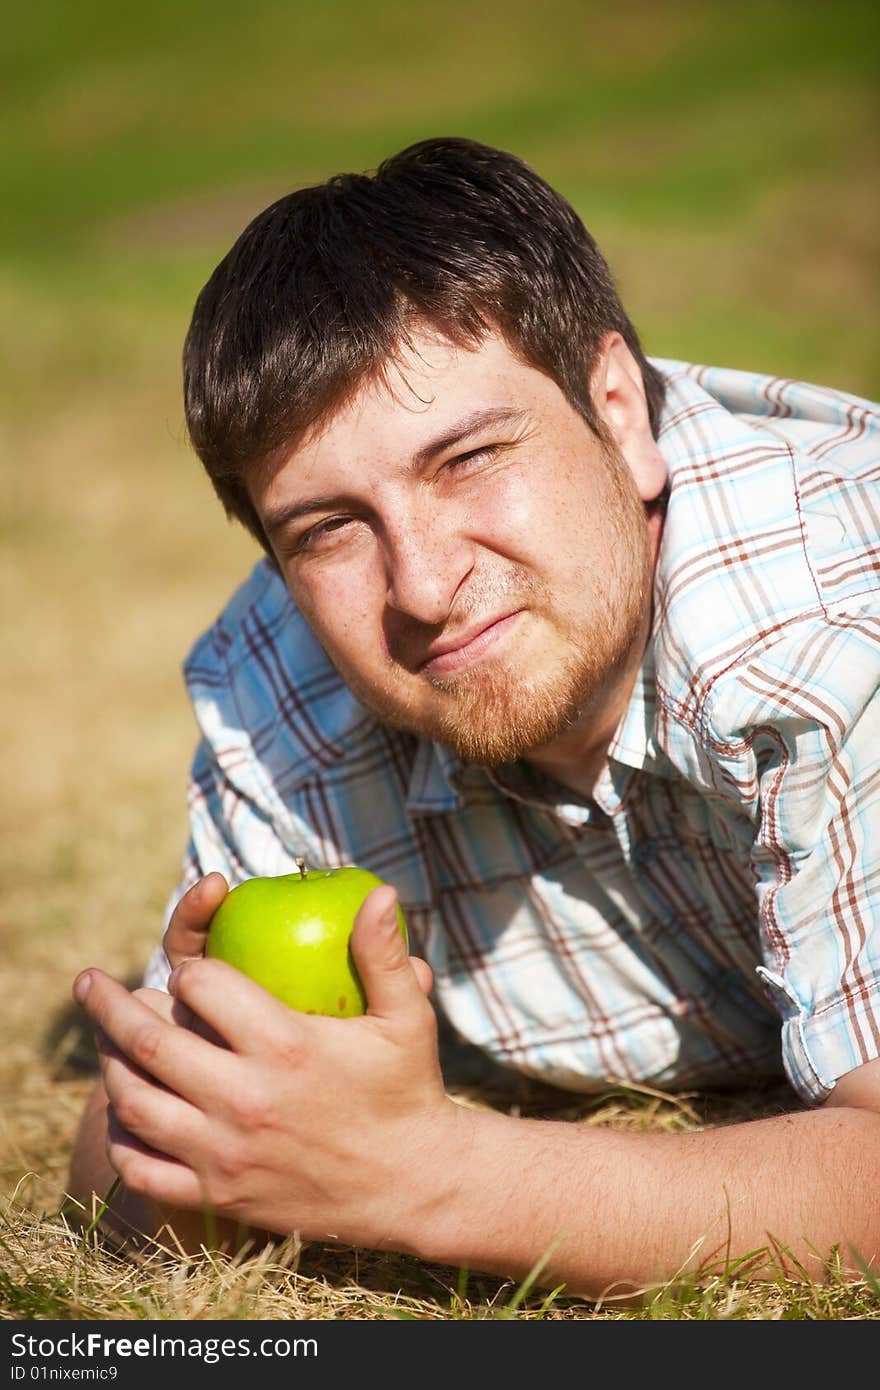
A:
496,712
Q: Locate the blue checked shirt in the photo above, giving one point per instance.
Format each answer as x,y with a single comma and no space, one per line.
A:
712,915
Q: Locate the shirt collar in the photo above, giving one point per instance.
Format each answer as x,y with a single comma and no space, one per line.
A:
633,742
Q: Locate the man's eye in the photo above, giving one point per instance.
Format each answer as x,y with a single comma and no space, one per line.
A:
320,532
474,458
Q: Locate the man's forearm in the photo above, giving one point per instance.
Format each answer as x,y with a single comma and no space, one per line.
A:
616,1211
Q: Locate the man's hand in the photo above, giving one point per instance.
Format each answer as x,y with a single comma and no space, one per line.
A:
299,1123
187,930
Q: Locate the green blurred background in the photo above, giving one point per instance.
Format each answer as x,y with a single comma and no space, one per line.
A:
724,156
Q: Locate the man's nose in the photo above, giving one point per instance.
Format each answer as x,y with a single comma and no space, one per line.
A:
427,563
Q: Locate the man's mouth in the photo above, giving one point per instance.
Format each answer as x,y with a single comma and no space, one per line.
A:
452,653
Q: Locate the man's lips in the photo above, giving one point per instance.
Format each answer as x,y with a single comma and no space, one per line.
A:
465,647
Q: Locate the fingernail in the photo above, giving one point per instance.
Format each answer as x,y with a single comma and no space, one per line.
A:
174,977
81,986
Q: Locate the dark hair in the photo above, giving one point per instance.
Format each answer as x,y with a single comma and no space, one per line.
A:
320,290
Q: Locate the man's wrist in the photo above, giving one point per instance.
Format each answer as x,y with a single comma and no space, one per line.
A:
472,1204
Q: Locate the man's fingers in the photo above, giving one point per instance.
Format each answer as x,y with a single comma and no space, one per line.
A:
186,931
149,1173
153,1114
246,1016
177,1057
162,1004
166,1006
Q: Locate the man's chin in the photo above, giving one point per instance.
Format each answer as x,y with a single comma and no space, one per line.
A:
489,722
474,723
492,746
492,712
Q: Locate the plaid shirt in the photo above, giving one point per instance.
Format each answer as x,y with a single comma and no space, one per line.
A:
710,916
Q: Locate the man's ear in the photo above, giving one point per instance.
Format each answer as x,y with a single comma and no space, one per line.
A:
618,393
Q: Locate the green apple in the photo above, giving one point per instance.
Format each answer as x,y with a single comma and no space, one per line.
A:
291,933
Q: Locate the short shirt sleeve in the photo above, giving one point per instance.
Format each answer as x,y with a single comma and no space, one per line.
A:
809,716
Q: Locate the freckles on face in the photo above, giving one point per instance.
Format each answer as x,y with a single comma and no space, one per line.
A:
340,604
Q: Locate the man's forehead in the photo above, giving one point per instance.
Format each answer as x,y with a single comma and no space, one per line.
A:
429,375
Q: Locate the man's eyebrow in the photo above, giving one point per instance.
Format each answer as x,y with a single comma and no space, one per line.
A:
464,428
275,520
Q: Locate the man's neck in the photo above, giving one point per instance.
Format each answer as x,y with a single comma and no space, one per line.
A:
575,760
577,757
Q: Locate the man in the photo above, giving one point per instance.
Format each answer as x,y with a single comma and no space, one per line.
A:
578,652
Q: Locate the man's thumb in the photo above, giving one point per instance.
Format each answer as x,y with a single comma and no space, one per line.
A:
380,954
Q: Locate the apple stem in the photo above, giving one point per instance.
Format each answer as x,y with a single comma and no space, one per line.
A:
301,865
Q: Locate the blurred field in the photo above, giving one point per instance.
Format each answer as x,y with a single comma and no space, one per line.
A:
725,158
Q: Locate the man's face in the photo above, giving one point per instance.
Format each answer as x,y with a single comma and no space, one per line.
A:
474,561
